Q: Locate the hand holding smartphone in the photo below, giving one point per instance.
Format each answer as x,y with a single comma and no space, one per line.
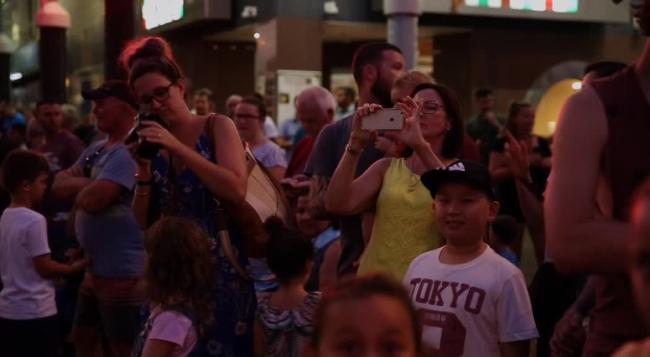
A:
385,119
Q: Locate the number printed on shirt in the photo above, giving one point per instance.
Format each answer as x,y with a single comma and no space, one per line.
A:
452,335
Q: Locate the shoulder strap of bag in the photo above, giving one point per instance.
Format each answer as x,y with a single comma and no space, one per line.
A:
220,215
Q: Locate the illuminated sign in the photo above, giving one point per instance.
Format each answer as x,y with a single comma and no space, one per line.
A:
160,12
560,6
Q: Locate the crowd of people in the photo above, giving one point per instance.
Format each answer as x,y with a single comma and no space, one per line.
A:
138,233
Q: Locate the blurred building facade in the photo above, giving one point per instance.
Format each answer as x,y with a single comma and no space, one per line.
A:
519,48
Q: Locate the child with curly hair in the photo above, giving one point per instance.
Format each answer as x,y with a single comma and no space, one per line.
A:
284,317
179,283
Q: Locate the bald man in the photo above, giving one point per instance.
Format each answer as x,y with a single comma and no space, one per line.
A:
315,108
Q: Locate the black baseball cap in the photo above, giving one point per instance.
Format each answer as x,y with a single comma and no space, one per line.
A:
111,88
467,172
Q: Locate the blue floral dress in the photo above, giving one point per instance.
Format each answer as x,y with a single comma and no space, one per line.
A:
183,194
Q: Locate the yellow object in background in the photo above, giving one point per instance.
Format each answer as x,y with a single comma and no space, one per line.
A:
549,107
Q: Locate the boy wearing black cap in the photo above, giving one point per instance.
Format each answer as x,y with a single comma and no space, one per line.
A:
471,301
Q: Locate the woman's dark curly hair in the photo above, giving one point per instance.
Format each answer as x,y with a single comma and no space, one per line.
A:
180,267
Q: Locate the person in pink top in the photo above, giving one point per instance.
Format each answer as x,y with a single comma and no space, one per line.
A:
179,281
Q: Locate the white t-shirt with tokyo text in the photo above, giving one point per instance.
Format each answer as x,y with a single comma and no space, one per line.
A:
468,309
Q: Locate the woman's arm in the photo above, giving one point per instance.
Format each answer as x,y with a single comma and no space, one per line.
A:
345,194
158,348
227,179
348,196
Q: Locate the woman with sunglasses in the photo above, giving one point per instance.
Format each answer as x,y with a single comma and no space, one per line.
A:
192,168
403,225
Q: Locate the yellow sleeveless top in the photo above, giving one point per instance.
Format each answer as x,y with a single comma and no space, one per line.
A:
404,225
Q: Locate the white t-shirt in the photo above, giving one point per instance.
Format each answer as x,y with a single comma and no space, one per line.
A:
468,309
25,294
270,129
270,155
174,327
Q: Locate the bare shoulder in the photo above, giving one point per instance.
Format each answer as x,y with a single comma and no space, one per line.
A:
381,165
582,106
221,121
582,119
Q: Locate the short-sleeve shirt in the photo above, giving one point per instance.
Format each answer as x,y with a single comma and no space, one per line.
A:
112,237
270,129
270,155
468,309
325,156
174,327
289,128
300,156
25,294
62,151
486,133
286,332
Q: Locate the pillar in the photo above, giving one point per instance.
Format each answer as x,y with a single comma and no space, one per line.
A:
403,27
53,21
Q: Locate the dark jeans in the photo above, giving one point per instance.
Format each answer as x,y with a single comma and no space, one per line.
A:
37,337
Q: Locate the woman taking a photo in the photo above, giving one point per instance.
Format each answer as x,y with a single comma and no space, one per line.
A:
201,159
404,224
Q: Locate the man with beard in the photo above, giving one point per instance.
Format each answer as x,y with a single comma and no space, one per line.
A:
600,156
375,67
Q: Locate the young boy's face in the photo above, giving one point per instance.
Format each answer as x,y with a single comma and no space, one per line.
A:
37,187
463,213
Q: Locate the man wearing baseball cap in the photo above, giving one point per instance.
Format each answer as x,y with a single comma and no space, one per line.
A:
102,183
472,301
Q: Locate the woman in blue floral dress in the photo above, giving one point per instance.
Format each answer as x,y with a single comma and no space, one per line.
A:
193,169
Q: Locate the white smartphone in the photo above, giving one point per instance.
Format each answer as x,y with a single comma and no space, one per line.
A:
385,119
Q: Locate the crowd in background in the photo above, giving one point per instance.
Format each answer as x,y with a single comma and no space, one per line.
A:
157,227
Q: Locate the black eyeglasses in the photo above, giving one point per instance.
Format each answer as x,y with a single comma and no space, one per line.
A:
160,94
89,162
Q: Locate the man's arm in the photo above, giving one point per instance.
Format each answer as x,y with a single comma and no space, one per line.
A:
69,182
577,240
117,174
98,196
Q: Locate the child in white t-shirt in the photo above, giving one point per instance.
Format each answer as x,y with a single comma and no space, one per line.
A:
28,315
179,277
471,301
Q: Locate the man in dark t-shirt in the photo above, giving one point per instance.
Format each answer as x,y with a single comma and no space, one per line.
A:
61,147
375,67
486,126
